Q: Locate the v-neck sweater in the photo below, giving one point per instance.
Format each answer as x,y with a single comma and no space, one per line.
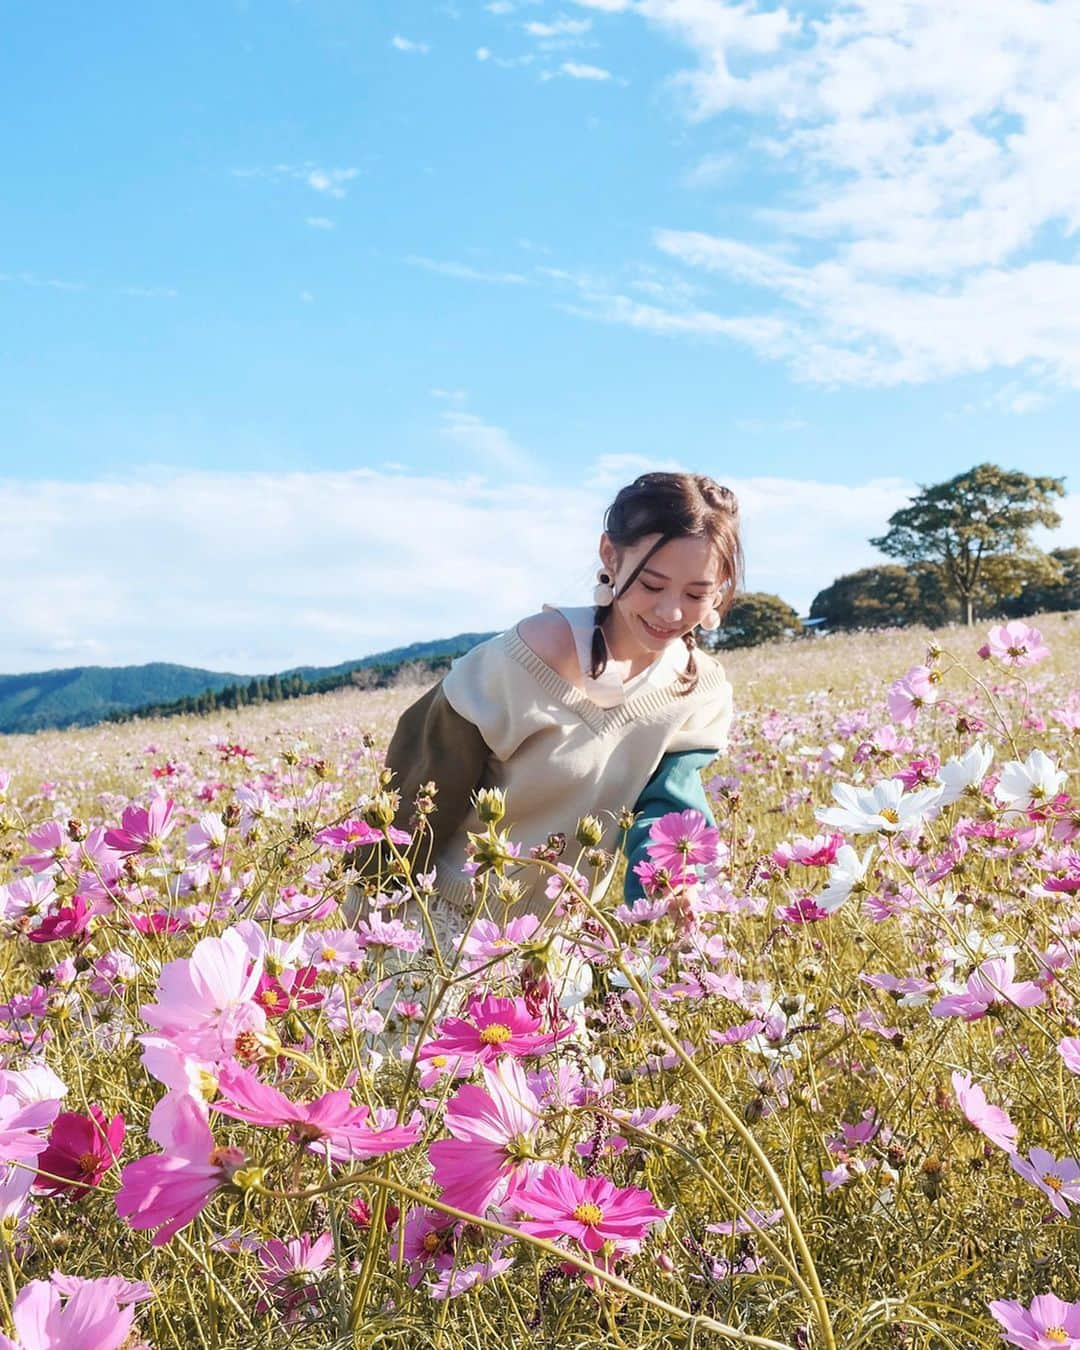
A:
558,756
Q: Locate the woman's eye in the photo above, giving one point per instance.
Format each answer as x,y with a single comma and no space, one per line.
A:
657,589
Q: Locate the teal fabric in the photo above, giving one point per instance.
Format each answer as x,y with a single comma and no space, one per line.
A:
675,786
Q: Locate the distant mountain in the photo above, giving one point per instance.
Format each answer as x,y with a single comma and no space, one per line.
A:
83,695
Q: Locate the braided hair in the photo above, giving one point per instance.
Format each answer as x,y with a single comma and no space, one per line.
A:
675,506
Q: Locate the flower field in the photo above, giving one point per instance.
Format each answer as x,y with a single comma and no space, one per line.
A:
821,1087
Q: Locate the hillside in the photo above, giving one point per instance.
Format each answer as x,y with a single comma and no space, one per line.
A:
83,695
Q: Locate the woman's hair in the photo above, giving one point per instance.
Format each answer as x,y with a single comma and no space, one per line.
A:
675,506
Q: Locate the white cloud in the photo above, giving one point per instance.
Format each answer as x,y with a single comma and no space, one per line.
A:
403,44
330,182
323,567
319,222
483,53
931,156
577,70
463,272
560,28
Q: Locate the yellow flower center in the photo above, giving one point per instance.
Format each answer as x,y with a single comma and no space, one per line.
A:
328,953
1052,1182
590,1215
1058,1334
889,814
268,998
495,1034
431,1242
88,1163
439,1061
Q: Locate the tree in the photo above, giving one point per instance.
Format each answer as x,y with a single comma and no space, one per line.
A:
890,596
1056,593
756,617
986,512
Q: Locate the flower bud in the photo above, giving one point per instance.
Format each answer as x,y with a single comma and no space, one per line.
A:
76,830
230,817
589,832
490,805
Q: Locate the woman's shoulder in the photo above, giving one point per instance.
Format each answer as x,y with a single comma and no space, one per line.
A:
550,637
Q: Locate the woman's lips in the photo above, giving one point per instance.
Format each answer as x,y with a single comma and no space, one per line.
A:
659,632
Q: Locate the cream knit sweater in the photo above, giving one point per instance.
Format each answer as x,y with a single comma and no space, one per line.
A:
558,756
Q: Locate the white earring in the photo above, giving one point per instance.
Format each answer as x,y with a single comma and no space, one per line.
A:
711,621
603,593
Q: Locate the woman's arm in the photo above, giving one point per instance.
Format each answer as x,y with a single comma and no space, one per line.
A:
433,743
675,786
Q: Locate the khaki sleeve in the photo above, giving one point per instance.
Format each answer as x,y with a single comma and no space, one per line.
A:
432,742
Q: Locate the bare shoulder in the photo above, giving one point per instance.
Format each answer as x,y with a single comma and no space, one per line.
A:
550,637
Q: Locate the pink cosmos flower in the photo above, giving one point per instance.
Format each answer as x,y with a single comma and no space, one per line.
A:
123,1291
205,1002
1017,644
375,931
331,1117
290,1270
81,1149
427,1241
817,852
143,829
989,1120
682,838
89,1320
991,986
356,833
910,694
591,1210
451,1283
1058,1179
1049,1324
1069,1050
70,920
491,1027
19,1126
168,1190
494,1132
486,940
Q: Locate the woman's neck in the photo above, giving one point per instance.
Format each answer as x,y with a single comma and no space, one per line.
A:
623,649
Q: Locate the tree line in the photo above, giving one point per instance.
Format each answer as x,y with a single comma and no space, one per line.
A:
963,550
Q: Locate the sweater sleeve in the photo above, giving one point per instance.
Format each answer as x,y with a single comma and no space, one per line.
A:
433,742
708,726
675,786
485,687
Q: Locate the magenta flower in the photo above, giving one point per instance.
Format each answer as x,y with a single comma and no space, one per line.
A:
1049,1324
681,838
81,1149
19,1126
1058,1179
991,986
66,921
989,1120
89,1320
1017,644
290,1270
591,1210
356,833
331,1117
206,1002
491,1027
143,829
168,1190
494,1132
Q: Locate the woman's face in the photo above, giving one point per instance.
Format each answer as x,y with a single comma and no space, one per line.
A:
672,593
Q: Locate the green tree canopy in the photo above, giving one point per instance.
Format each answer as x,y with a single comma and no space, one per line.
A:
1049,592
890,596
986,512
756,617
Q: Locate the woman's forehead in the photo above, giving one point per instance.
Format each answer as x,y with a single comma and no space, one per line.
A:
698,557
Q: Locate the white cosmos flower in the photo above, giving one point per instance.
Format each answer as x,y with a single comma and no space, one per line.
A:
845,874
884,808
967,772
1037,780
977,947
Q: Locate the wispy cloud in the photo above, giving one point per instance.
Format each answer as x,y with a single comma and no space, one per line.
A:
319,222
488,447
560,28
463,272
329,182
404,44
925,227
578,70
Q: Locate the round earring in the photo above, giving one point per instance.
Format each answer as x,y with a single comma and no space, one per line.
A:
603,594
711,621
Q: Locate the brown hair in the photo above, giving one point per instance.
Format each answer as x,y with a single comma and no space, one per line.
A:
675,506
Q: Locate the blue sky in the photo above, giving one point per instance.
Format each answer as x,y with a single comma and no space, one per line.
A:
507,254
